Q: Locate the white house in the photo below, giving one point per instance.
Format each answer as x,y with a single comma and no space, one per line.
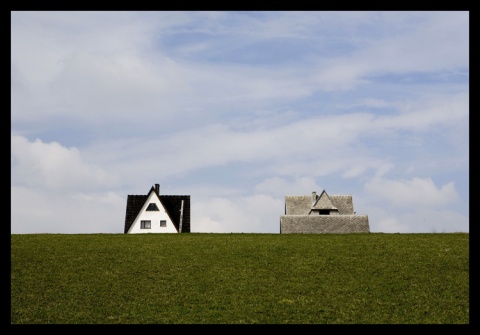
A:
155,213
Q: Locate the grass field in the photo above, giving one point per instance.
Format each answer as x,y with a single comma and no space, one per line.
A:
201,278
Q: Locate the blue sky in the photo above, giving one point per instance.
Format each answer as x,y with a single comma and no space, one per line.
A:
238,110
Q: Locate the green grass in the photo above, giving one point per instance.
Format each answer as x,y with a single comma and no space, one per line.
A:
240,279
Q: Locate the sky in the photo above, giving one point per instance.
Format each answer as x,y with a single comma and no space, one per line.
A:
239,109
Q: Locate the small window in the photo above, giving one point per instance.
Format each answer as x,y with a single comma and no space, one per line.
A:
152,207
163,223
324,212
145,224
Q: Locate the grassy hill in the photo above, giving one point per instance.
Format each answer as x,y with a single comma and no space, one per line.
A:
201,278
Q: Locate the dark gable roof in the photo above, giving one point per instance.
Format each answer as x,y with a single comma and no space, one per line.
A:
172,204
134,205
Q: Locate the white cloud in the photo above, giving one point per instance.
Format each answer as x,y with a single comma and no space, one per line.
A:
416,192
388,225
281,187
425,47
239,109
119,73
54,167
416,220
427,112
295,149
444,220
40,211
218,144
252,214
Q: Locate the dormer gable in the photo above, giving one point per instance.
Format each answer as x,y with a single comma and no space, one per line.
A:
323,202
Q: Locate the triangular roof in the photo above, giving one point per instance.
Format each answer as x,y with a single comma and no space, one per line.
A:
303,204
171,203
323,202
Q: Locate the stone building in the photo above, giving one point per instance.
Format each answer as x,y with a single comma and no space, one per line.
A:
319,214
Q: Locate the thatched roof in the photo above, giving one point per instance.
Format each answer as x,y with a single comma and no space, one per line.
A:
303,204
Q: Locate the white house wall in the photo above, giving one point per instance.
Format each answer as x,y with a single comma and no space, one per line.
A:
154,217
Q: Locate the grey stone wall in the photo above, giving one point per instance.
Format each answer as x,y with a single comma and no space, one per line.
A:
308,224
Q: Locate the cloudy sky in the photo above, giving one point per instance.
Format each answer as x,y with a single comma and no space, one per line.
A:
238,110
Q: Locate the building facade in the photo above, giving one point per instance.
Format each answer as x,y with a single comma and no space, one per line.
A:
155,213
319,214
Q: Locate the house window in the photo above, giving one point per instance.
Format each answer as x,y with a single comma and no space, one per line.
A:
145,224
152,207
324,212
163,223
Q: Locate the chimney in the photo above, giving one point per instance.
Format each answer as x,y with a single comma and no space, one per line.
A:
314,197
157,188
